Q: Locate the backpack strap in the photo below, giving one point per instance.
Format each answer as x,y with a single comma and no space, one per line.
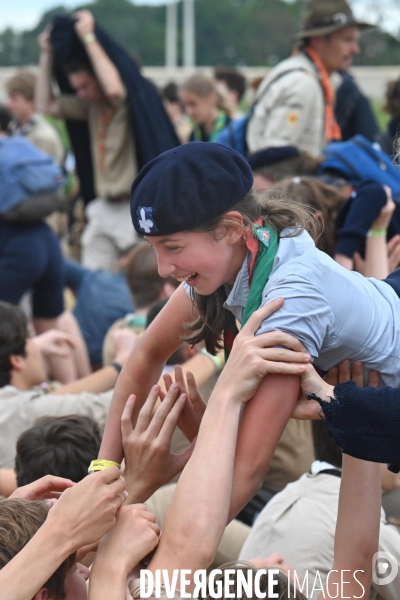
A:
345,161
262,95
367,148
267,87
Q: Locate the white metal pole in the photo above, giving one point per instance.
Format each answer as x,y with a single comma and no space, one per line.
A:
189,34
171,35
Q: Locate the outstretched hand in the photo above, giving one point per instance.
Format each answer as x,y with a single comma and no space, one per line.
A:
149,463
312,383
44,488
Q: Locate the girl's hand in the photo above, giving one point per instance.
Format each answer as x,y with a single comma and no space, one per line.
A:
254,356
194,407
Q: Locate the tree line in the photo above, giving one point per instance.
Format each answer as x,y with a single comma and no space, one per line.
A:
232,32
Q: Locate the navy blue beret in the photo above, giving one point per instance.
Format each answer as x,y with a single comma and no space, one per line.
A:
187,186
270,156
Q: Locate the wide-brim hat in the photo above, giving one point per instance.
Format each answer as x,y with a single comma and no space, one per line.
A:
323,17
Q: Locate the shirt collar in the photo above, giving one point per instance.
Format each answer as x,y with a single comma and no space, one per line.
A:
320,465
17,128
239,292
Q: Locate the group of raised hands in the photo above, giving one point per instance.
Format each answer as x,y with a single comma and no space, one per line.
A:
105,512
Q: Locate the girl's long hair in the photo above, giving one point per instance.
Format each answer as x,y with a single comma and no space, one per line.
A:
274,210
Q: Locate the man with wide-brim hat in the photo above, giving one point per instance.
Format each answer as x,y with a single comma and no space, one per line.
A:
323,17
295,102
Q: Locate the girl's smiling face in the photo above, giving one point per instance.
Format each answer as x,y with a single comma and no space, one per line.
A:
204,260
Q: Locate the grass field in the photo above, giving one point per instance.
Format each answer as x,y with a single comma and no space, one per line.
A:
381,116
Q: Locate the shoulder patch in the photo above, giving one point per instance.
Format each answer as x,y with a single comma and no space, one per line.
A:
292,118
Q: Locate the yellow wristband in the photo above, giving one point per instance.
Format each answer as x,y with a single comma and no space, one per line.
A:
101,465
89,37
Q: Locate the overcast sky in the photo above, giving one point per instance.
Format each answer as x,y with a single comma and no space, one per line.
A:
25,14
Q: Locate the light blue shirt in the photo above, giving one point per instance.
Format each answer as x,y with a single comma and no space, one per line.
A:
337,314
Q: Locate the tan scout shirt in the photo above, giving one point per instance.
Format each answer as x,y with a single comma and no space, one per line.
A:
115,166
300,524
42,135
19,410
291,111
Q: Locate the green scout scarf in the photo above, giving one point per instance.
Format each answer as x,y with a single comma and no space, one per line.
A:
262,261
219,124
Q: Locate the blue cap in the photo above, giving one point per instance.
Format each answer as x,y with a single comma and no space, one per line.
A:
272,155
188,186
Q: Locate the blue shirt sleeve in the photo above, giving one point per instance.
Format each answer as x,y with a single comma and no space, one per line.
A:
74,274
305,314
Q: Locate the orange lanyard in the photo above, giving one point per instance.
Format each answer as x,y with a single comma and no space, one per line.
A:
105,117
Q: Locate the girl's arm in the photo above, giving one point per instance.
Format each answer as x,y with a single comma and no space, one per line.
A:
262,424
144,366
357,529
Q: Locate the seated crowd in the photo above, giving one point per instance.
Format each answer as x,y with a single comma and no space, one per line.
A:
79,287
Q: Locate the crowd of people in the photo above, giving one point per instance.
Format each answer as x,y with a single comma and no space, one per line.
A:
199,326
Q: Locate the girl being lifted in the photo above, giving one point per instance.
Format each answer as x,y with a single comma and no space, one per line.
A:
235,250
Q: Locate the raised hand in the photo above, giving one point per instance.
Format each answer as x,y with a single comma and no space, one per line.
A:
134,536
84,23
44,39
87,511
149,463
254,356
194,406
54,343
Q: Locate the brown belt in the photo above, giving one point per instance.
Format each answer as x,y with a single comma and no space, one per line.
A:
118,199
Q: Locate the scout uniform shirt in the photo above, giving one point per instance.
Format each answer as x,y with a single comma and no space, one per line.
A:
113,149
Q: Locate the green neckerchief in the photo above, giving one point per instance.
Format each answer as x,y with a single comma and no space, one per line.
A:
219,124
258,277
